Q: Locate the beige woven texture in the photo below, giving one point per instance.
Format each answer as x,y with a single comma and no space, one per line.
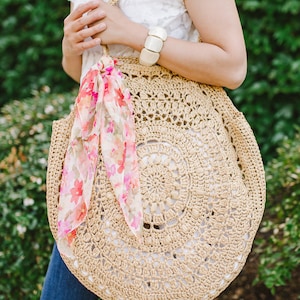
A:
203,191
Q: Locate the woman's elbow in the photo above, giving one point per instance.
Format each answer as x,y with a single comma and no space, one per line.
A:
236,74
236,79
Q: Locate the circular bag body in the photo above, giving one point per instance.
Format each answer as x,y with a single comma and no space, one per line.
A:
203,191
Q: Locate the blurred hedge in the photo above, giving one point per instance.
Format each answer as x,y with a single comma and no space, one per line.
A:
271,93
30,47
279,247
26,241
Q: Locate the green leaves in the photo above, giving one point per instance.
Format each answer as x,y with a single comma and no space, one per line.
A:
26,242
280,246
272,33
28,32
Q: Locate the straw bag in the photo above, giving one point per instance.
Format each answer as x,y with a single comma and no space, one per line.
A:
203,193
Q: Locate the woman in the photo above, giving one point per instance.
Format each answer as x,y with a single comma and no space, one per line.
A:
220,59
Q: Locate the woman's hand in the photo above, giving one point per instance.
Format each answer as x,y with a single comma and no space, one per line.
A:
118,28
114,25
81,24
98,22
95,23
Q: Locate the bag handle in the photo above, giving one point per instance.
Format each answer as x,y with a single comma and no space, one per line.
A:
105,47
113,2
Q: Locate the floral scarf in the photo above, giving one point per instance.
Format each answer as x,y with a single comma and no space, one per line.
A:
103,116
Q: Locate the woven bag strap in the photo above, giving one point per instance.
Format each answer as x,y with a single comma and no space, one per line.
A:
113,2
105,47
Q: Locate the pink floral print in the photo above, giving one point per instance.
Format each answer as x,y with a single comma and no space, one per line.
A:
76,191
103,116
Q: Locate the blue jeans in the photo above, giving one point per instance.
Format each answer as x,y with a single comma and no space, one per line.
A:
61,284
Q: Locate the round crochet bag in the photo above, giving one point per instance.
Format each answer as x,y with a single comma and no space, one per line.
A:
203,194
202,191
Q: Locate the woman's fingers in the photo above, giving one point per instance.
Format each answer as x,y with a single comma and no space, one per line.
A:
86,26
78,42
82,9
83,22
83,16
81,47
88,32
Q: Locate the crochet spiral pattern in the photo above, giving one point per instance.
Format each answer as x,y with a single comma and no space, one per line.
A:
203,193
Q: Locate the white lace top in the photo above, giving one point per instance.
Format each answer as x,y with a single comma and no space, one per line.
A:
169,14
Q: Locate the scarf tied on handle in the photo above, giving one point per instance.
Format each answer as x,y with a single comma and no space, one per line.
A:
103,116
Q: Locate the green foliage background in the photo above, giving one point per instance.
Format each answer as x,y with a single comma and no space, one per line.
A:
30,40
26,241
31,33
270,95
279,239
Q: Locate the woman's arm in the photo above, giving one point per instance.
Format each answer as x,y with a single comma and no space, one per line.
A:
219,60
221,57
